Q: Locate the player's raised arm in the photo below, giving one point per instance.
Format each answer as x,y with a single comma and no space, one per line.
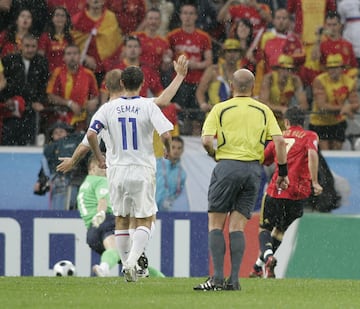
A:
181,68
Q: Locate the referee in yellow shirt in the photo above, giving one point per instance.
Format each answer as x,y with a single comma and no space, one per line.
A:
242,126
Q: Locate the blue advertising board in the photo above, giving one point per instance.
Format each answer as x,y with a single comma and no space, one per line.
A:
31,242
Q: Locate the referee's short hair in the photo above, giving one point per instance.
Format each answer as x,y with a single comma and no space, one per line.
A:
132,78
295,115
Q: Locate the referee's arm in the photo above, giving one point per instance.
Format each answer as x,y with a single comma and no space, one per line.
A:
208,144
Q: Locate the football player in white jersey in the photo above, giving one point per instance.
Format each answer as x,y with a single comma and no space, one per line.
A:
130,161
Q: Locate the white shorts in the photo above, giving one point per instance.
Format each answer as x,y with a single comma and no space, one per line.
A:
132,191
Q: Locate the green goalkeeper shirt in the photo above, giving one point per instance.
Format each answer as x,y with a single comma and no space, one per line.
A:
93,189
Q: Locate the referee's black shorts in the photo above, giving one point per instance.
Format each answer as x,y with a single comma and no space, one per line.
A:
234,185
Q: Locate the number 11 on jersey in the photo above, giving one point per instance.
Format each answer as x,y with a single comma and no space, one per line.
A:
132,121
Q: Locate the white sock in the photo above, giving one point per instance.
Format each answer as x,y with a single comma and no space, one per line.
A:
267,252
131,233
123,244
152,229
140,240
259,262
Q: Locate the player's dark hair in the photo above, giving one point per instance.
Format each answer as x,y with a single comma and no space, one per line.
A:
295,115
132,78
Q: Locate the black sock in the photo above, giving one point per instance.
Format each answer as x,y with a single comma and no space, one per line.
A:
276,244
217,251
265,241
237,248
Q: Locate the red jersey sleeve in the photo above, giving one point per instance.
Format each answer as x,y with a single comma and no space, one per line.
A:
269,154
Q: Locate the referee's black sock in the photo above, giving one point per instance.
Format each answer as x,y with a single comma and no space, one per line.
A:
237,248
217,250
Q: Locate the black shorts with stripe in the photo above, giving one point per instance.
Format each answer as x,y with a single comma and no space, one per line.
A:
280,213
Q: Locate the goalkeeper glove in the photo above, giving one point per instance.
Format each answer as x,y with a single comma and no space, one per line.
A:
98,218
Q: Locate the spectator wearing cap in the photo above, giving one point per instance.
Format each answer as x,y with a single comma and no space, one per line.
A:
282,88
56,132
63,187
335,99
214,86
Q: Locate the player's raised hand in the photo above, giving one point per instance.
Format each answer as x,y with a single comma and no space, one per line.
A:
181,65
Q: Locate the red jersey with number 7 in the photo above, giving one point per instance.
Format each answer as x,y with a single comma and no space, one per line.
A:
298,143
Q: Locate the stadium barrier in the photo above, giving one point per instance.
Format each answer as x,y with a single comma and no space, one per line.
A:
31,242
326,246
316,246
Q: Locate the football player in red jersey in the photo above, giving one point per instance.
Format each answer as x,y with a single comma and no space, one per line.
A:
281,207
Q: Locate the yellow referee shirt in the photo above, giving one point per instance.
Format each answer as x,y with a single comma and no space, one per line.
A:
242,126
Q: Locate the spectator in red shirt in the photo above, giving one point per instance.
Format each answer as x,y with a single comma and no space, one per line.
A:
274,42
131,57
10,40
57,36
97,33
73,89
258,13
129,13
334,43
196,45
155,50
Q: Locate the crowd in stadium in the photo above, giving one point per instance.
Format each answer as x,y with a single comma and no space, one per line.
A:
55,54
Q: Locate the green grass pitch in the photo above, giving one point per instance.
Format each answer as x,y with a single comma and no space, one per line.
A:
113,292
